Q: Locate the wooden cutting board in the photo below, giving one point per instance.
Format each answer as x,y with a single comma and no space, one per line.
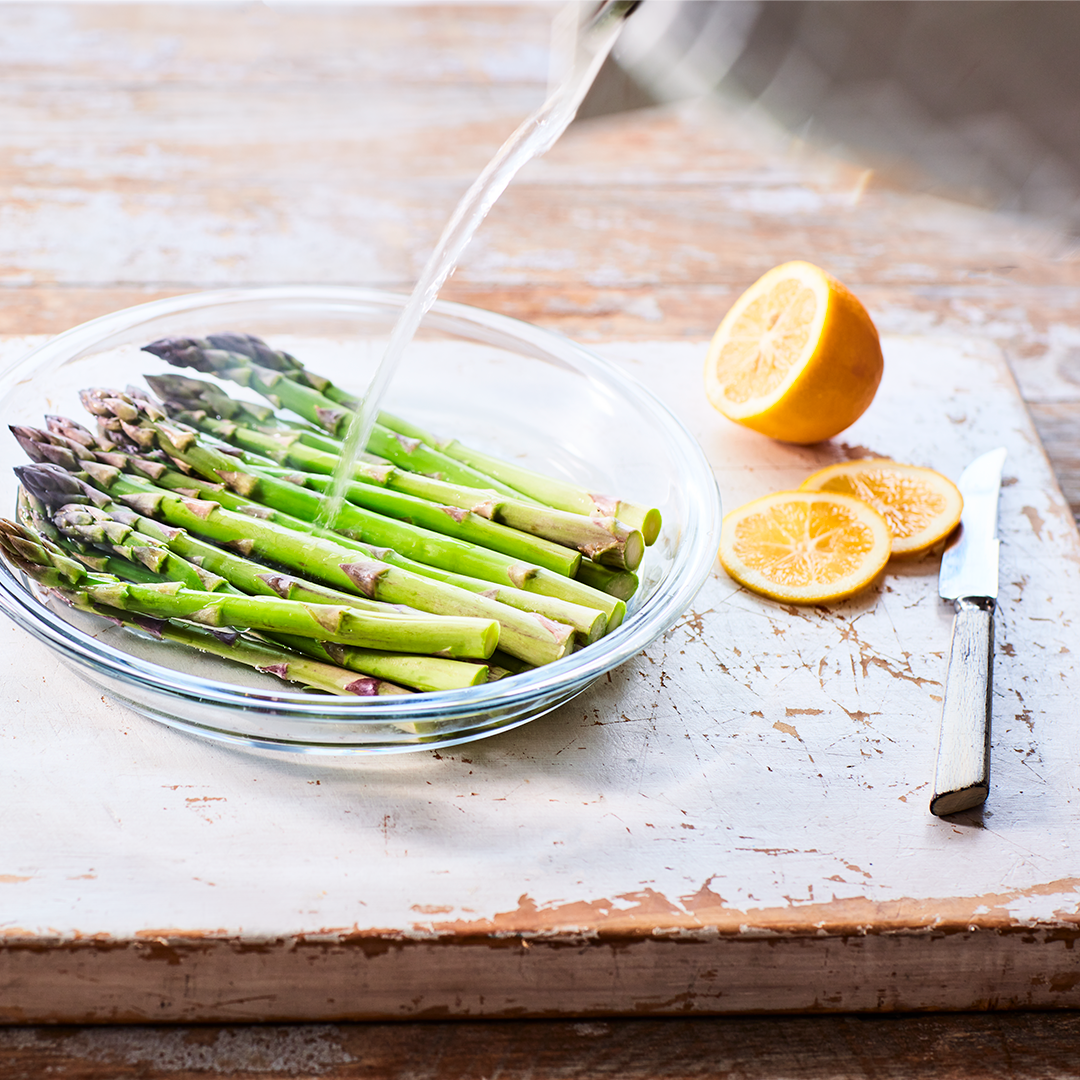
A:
734,821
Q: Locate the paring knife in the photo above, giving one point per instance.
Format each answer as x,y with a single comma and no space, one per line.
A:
969,577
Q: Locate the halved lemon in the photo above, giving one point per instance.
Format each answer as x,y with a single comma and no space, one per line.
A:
805,547
797,357
920,505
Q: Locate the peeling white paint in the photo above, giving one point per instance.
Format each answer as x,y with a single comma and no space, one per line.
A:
670,773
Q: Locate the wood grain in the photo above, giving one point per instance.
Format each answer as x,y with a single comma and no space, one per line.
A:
1058,423
1017,1046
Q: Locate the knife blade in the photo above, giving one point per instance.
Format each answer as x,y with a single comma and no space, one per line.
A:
969,577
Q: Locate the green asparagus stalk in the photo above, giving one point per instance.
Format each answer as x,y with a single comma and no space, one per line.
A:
462,524
519,585
414,543
318,674
589,616
40,557
182,444
182,392
71,447
545,489
45,446
387,672
551,492
122,528
348,626
543,592
210,408
423,673
533,638
608,594
618,583
46,563
31,513
34,516
92,526
608,543
602,539
588,620
417,672
590,623
283,392
520,576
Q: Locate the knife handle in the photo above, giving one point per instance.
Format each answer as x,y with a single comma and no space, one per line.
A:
962,775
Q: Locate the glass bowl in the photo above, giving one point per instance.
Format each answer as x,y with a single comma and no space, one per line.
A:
493,382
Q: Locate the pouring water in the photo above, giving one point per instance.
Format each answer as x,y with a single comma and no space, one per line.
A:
598,28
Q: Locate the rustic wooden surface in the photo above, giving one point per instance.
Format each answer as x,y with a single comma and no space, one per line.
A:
152,149
1002,1046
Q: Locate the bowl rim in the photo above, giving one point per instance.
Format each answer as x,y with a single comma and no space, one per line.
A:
695,550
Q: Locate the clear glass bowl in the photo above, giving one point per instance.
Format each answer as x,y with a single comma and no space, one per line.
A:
495,383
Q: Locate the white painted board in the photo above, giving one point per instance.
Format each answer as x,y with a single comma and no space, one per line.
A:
760,766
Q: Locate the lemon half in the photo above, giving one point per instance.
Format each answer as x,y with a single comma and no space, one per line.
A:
797,357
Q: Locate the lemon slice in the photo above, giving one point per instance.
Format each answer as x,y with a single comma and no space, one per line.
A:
796,358
920,506
806,547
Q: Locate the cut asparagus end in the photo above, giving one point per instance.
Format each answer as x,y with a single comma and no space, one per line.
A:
647,521
617,583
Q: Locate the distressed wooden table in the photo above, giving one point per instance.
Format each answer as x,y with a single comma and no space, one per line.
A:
734,822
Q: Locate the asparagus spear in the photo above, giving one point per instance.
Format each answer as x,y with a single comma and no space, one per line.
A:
551,492
283,392
518,576
32,514
452,637
533,638
38,556
92,526
601,539
127,433
590,623
46,563
587,611
519,585
545,489
323,622
601,590
619,583
424,673
385,669
543,593
122,528
418,544
321,675
418,672
147,427
609,543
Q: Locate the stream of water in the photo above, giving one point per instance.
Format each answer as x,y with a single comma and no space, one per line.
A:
596,35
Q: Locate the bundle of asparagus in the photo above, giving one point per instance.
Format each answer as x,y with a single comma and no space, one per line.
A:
200,518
